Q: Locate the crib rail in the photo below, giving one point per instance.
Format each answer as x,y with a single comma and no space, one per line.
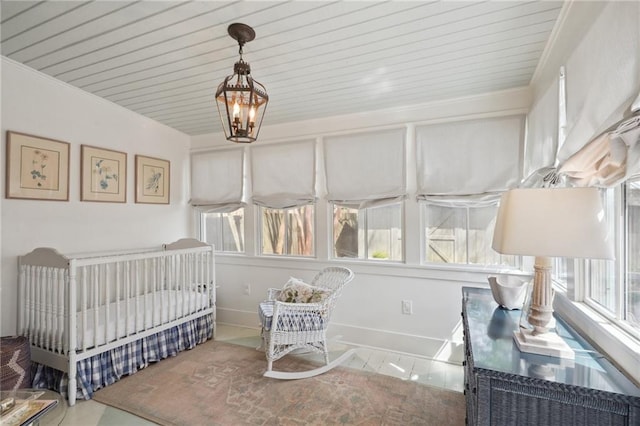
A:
80,304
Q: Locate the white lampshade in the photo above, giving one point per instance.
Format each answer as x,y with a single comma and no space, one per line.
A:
553,222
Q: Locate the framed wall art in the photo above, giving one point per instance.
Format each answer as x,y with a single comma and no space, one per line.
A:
152,180
103,175
37,168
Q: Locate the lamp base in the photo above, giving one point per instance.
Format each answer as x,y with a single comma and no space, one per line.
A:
549,344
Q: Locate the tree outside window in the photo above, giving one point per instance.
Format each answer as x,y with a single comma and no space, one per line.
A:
288,231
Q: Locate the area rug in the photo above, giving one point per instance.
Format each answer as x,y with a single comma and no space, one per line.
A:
219,383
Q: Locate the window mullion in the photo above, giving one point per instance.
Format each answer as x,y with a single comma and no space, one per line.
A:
288,234
622,251
466,230
221,237
366,233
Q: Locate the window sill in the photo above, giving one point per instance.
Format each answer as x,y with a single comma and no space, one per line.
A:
622,349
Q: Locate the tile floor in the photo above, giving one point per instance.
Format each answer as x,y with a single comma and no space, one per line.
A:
422,370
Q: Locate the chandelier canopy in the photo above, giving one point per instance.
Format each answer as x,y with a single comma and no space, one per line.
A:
241,100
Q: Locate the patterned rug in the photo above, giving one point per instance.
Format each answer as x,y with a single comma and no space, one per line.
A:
219,383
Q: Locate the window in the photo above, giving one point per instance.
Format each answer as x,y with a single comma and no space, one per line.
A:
617,295
461,235
287,231
560,271
224,230
373,233
632,231
601,277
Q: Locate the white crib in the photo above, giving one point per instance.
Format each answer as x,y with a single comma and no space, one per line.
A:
140,306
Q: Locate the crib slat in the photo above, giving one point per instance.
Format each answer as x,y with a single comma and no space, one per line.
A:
145,291
106,282
183,287
83,303
170,284
47,307
22,281
166,286
192,281
26,303
205,279
128,295
31,304
40,308
136,295
53,324
154,282
36,307
71,318
61,308
118,284
95,272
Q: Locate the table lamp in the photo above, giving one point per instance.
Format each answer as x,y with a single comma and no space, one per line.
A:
545,223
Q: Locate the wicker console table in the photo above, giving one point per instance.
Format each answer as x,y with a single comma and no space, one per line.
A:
504,386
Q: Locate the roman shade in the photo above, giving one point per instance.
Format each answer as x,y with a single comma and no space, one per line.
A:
217,180
541,144
283,175
366,169
603,105
469,162
601,87
607,160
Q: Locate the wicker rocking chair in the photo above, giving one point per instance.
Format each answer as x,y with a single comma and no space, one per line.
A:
291,326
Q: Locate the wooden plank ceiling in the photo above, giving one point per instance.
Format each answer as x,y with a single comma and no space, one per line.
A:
164,59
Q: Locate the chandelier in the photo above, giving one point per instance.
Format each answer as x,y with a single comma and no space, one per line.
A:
241,100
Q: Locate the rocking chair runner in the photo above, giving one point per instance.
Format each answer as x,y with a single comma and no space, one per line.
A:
290,326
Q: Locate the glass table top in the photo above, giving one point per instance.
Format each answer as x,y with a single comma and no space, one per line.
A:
491,331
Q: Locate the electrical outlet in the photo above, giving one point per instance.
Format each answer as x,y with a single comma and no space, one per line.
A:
407,307
247,289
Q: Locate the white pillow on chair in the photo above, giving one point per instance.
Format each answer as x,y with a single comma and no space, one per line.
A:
297,291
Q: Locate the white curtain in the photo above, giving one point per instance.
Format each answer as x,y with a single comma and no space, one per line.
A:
541,144
603,105
607,160
283,175
469,162
217,179
603,75
366,169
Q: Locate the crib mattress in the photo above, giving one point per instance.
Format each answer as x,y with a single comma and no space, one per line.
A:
135,315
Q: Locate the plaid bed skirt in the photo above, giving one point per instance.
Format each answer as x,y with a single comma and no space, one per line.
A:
108,367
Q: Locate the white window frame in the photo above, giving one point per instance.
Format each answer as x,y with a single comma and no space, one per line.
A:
620,269
608,332
422,206
219,245
331,207
260,236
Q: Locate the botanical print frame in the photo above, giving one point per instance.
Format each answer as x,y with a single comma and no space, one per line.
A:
103,175
152,180
37,168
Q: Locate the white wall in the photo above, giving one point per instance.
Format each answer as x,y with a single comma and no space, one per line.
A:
369,311
36,104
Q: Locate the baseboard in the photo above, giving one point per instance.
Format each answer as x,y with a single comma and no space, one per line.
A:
237,317
443,350
422,346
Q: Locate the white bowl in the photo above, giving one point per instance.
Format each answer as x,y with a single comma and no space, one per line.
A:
509,291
